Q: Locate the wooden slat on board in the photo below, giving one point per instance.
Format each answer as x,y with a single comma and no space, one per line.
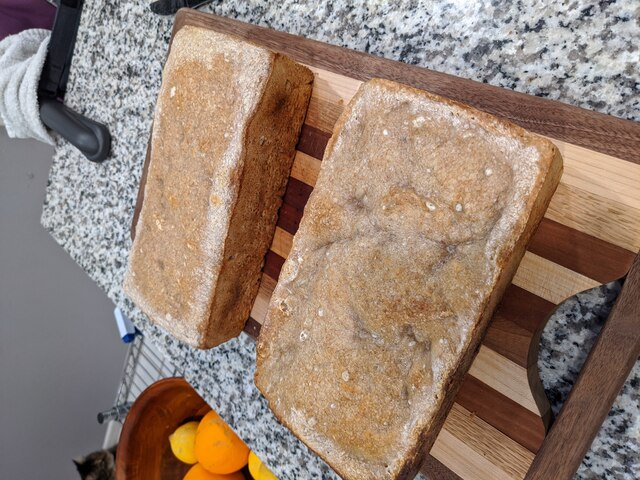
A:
432,469
305,168
502,413
475,450
611,221
313,141
601,174
504,376
590,256
549,280
272,265
517,318
261,303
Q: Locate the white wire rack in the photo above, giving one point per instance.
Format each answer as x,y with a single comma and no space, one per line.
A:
143,366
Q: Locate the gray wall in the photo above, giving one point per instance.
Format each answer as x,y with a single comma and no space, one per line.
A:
60,354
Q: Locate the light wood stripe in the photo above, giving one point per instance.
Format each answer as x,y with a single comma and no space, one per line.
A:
323,114
549,280
261,303
332,86
605,219
305,168
601,174
505,376
282,241
475,450
463,460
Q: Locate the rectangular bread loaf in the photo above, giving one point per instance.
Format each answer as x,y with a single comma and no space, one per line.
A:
226,124
417,223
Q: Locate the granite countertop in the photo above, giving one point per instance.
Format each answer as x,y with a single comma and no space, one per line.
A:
583,53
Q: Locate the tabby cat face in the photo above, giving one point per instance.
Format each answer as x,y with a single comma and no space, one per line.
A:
98,465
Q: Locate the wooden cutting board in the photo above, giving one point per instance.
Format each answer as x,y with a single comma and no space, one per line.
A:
587,238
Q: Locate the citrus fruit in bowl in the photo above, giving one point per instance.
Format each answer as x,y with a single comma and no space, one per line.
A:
162,410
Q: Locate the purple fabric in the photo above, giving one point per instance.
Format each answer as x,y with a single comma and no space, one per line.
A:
19,15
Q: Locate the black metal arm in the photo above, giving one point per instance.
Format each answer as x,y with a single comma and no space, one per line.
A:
90,137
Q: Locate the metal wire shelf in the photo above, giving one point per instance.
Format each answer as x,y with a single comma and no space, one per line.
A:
143,366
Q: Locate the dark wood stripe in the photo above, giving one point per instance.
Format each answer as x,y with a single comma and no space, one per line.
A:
501,412
143,182
297,194
518,317
313,141
434,470
580,252
592,130
252,328
272,265
289,218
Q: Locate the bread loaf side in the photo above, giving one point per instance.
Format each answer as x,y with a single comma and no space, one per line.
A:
227,120
417,223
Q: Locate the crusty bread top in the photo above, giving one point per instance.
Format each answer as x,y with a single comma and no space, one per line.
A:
416,213
211,85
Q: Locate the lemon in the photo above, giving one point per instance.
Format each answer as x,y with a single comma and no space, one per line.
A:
259,470
183,442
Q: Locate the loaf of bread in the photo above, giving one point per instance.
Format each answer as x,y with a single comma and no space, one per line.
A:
417,223
226,124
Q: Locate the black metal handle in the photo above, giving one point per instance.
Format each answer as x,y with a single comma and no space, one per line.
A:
90,137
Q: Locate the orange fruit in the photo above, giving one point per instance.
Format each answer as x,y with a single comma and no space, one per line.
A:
218,448
197,472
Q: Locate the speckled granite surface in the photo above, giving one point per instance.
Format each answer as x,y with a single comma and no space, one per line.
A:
583,53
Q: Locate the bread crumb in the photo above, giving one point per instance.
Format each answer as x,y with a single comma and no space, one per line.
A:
488,172
458,207
385,132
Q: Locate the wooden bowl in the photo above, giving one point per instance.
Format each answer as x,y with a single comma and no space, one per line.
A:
144,452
